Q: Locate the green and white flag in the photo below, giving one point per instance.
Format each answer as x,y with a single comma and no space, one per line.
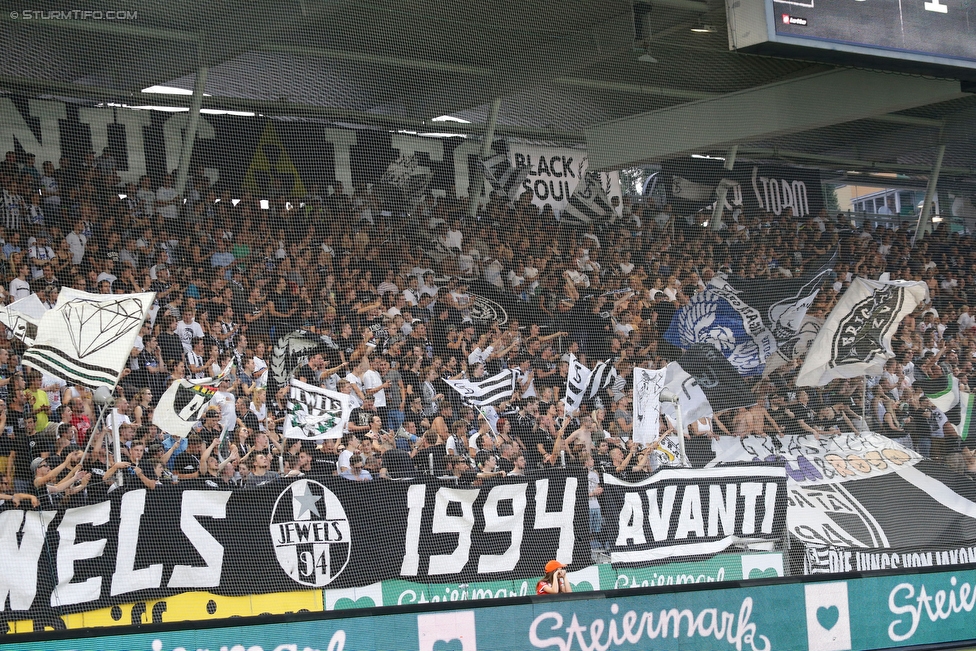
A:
315,413
943,391
967,402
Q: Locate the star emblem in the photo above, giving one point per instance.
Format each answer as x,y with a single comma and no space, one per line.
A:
307,504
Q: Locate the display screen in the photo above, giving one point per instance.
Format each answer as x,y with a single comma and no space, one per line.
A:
936,29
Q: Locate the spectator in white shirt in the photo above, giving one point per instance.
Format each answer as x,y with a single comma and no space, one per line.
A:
38,252
20,286
373,385
429,287
188,328
77,241
167,199
966,320
146,197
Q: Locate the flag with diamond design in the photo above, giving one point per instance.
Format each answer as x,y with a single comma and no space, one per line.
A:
315,413
87,338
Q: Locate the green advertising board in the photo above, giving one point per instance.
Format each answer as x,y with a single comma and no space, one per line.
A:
855,614
722,567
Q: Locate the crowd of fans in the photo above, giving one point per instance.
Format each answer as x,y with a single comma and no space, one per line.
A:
393,292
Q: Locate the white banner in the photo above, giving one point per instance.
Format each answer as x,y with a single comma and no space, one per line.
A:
315,413
554,173
486,391
577,380
647,404
829,459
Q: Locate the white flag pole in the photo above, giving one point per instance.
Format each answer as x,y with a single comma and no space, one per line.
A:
118,444
668,396
103,398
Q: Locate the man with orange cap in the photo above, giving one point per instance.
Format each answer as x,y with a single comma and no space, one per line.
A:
554,581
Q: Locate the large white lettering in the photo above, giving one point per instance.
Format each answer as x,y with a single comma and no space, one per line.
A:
135,147
630,525
659,518
462,525
416,498
750,491
19,576
563,519
342,141
513,524
14,127
722,510
690,520
126,578
940,605
67,593
97,121
210,504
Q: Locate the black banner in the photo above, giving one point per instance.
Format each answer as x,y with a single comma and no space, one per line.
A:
286,535
719,381
264,156
838,560
683,512
691,185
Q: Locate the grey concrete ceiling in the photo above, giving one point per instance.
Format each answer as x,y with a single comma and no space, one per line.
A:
560,66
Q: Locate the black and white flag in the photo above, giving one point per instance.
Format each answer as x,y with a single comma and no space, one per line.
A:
749,320
486,391
405,182
22,317
577,381
585,384
182,405
503,177
705,383
856,338
87,338
294,349
589,203
315,413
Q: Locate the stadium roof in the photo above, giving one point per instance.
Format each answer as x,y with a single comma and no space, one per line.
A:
566,71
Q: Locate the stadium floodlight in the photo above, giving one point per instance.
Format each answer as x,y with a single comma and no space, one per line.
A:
702,28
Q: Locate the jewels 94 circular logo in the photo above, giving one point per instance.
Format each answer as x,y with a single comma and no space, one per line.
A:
310,533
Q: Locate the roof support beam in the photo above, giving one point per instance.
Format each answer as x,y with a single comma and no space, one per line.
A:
281,108
190,136
910,120
477,187
924,219
638,89
378,59
838,162
681,5
782,108
644,89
